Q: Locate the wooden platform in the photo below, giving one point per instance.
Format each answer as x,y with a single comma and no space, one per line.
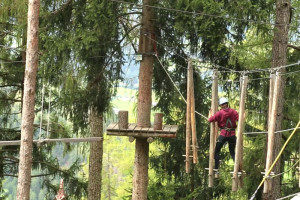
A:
168,131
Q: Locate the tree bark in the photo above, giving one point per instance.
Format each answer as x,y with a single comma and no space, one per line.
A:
96,154
140,176
24,177
279,58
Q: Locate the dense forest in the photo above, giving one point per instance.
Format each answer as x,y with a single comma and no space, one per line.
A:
94,58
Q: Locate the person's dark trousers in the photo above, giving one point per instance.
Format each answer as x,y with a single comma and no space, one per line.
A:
220,142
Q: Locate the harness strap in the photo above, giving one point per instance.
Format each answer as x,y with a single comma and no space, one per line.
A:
226,126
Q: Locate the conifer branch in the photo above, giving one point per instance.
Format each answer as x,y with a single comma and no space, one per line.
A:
62,8
294,47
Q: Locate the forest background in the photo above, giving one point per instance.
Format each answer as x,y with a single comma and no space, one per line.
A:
88,60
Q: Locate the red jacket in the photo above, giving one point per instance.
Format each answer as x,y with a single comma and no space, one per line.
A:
221,117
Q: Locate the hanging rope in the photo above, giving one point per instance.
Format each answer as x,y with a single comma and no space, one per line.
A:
177,87
275,161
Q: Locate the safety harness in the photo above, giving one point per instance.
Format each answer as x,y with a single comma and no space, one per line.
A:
228,120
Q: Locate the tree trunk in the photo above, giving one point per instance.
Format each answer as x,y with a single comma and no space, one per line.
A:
96,154
279,58
140,176
24,178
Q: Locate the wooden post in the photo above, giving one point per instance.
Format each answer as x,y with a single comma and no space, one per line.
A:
214,106
158,119
271,131
123,119
141,160
28,101
240,130
193,117
271,93
188,123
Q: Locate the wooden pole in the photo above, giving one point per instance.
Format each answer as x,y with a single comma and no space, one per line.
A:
271,131
158,119
271,93
193,117
214,100
123,119
240,130
42,141
28,101
141,160
188,123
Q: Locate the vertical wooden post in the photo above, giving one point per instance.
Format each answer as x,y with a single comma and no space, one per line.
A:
193,117
158,119
123,119
28,101
141,159
214,106
271,93
188,123
271,131
240,130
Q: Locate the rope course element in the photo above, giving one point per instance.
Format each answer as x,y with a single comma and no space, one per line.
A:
275,161
7,62
264,132
177,87
259,70
292,195
293,166
201,14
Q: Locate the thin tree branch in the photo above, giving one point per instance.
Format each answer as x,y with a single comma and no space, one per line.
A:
62,8
294,47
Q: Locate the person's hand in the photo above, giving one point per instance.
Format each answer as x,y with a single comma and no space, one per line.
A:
209,113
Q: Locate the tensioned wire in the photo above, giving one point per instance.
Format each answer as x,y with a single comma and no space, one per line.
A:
247,133
202,14
258,70
275,161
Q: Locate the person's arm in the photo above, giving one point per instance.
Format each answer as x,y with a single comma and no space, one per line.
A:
213,118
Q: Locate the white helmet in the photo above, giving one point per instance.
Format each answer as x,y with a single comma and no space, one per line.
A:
223,100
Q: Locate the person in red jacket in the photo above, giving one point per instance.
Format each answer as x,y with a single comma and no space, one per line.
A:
226,118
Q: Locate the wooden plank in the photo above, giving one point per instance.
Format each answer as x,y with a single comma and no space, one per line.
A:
144,130
131,127
111,126
173,129
142,135
240,130
271,131
137,129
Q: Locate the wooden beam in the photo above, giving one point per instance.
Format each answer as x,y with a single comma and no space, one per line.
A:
188,124
142,135
240,130
65,140
193,117
212,144
271,131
